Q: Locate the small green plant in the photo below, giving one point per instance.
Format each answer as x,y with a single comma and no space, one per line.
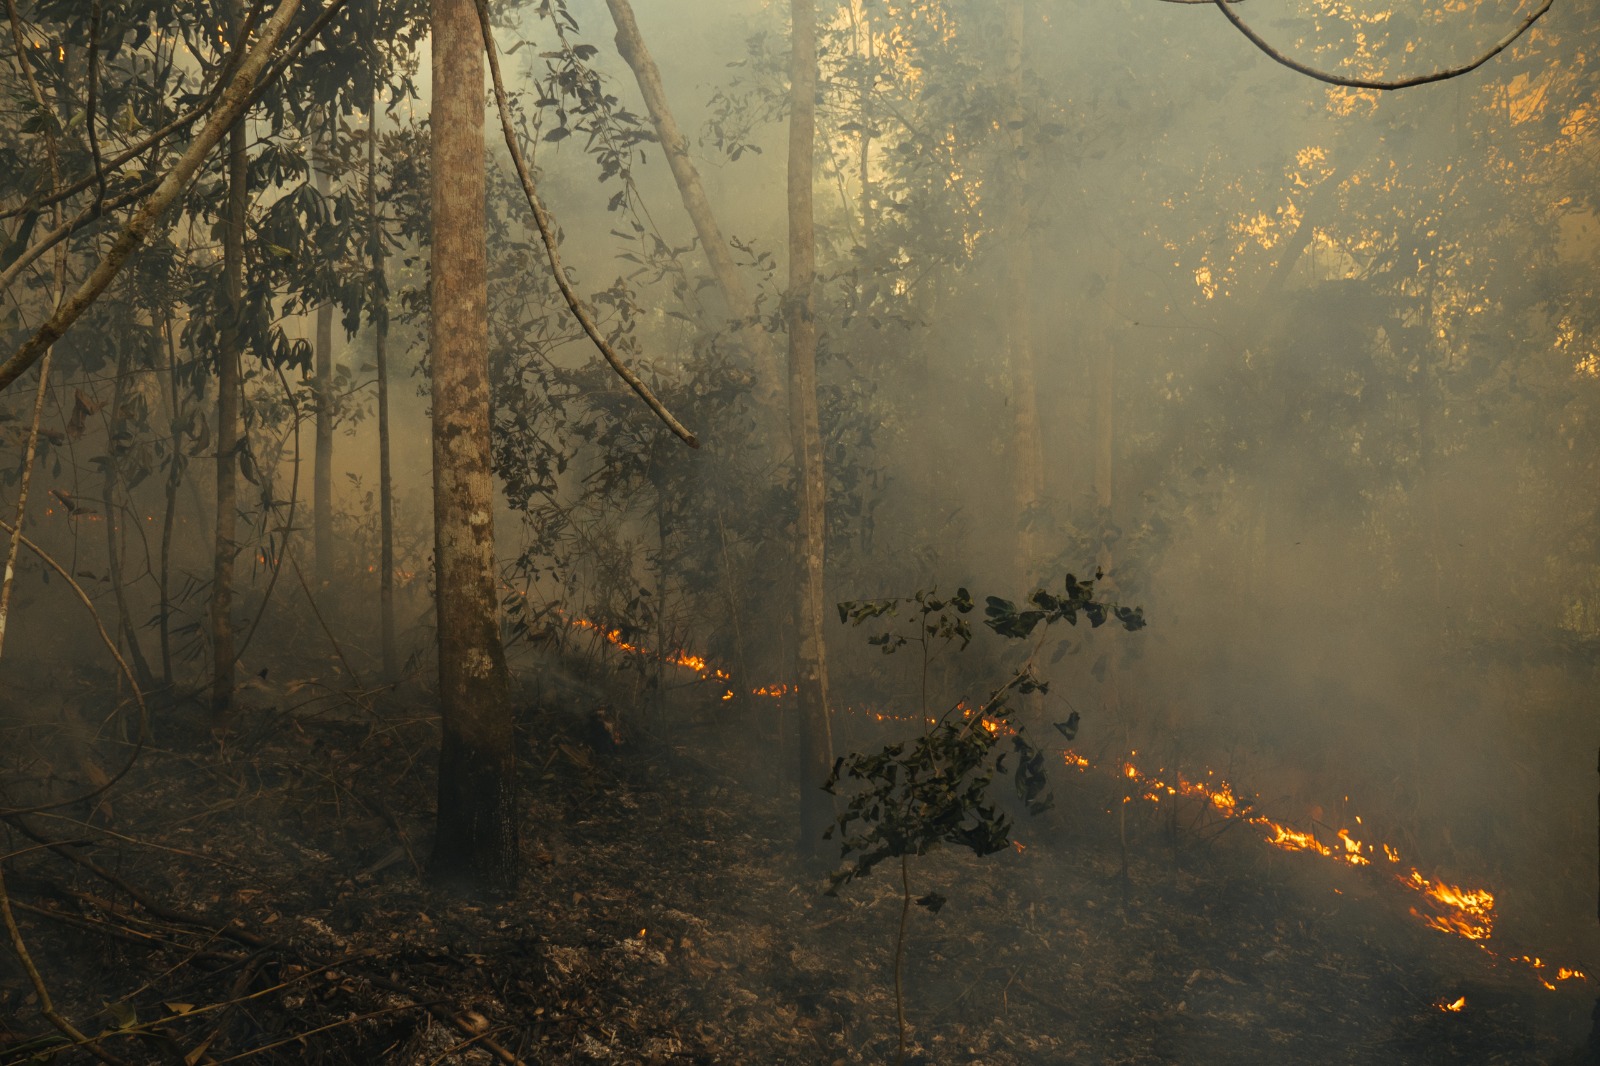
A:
914,796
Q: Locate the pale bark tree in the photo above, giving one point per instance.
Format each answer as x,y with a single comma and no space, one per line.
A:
816,740
322,382
1017,226
477,840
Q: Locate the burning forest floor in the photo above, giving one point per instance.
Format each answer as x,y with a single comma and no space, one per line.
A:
257,897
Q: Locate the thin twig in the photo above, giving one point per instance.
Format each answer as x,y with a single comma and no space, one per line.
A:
47,1006
111,646
89,119
312,600
547,231
288,525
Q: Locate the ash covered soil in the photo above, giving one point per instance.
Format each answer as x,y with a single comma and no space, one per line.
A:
257,896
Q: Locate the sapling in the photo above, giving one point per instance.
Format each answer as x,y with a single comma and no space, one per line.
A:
913,796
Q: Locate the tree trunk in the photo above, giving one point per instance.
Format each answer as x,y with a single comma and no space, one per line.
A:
380,328
476,844
1029,452
108,494
865,54
816,741
322,385
176,463
735,296
8,573
228,360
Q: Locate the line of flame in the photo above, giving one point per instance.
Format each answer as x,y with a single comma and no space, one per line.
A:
1463,912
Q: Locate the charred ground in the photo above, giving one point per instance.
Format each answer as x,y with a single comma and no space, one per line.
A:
258,896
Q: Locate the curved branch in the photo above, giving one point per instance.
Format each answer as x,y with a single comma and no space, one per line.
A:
1379,83
232,104
547,231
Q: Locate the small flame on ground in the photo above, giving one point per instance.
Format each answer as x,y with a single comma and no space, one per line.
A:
1464,912
1454,1007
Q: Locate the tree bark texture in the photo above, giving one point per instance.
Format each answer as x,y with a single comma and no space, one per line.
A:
477,821
735,295
228,358
816,741
1029,485
322,385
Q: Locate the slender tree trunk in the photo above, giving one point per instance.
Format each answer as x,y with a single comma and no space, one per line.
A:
176,462
228,373
865,50
108,495
322,385
816,743
477,823
380,329
1105,406
1029,487
735,296
8,573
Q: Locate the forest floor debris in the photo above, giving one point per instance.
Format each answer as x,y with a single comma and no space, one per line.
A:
278,916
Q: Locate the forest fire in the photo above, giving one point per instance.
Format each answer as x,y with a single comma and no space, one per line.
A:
1467,913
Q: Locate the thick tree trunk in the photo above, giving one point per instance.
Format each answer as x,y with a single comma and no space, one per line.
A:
322,385
816,740
477,823
228,360
380,328
1029,487
735,296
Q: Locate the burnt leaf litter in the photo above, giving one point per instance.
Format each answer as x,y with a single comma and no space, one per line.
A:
257,896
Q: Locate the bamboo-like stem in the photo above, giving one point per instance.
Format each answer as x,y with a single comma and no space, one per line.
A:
900,955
